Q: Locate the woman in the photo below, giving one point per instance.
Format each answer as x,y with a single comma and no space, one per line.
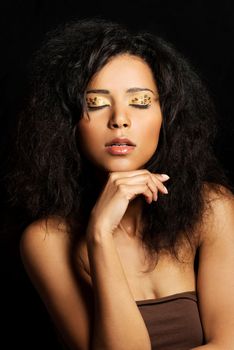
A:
131,241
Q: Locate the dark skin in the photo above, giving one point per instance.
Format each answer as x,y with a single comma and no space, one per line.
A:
111,257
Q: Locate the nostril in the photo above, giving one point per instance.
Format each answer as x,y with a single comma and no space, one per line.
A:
115,125
119,125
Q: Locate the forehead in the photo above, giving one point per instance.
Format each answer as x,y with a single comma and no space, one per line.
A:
122,72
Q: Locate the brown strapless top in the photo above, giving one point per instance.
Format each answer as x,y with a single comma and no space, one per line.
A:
173,322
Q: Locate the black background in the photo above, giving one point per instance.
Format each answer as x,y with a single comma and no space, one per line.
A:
202,30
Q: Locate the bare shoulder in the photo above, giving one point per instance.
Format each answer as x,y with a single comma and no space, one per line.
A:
44,230
46,253
218,218
45,240
45,250
216,267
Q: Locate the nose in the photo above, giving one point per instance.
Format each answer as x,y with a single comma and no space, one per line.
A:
119,120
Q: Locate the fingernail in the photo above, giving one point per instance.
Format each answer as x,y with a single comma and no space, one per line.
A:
148,200
165,189
165,176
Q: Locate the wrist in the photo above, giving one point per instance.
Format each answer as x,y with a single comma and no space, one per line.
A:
97,235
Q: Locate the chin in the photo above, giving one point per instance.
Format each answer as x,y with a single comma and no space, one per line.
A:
121,164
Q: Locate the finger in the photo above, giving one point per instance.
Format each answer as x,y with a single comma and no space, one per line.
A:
140,179
136,179
131,191
125,174
153,187
146,178
162,177
159,185
149,194
133,173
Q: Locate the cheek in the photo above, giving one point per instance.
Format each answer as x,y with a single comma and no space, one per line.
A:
153,129
151,134
89,137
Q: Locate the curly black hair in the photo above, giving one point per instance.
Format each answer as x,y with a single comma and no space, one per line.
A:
51,176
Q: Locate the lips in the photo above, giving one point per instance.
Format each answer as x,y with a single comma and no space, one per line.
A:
120,146
120,142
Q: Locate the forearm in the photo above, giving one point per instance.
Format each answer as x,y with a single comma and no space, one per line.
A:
118,322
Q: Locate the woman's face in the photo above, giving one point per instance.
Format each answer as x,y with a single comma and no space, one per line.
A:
122,103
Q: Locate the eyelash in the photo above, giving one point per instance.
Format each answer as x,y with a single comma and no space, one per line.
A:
140,106
96,107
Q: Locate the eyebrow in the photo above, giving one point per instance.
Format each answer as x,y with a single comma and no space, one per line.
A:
106,92
137,89
98,91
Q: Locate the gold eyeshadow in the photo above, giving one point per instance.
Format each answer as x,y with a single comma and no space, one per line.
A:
142,100
138,100
97,101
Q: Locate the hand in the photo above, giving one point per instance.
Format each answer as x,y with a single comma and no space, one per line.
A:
120,189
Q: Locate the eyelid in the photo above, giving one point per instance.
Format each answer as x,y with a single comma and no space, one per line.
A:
143,99
97,101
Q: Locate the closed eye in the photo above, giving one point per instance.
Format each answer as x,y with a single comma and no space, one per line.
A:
140,101
93,108
140,106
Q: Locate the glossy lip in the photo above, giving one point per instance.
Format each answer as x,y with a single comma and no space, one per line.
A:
121,141
120,150
125,146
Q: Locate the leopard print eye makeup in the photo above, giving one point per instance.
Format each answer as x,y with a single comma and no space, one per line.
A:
97,101
141,100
